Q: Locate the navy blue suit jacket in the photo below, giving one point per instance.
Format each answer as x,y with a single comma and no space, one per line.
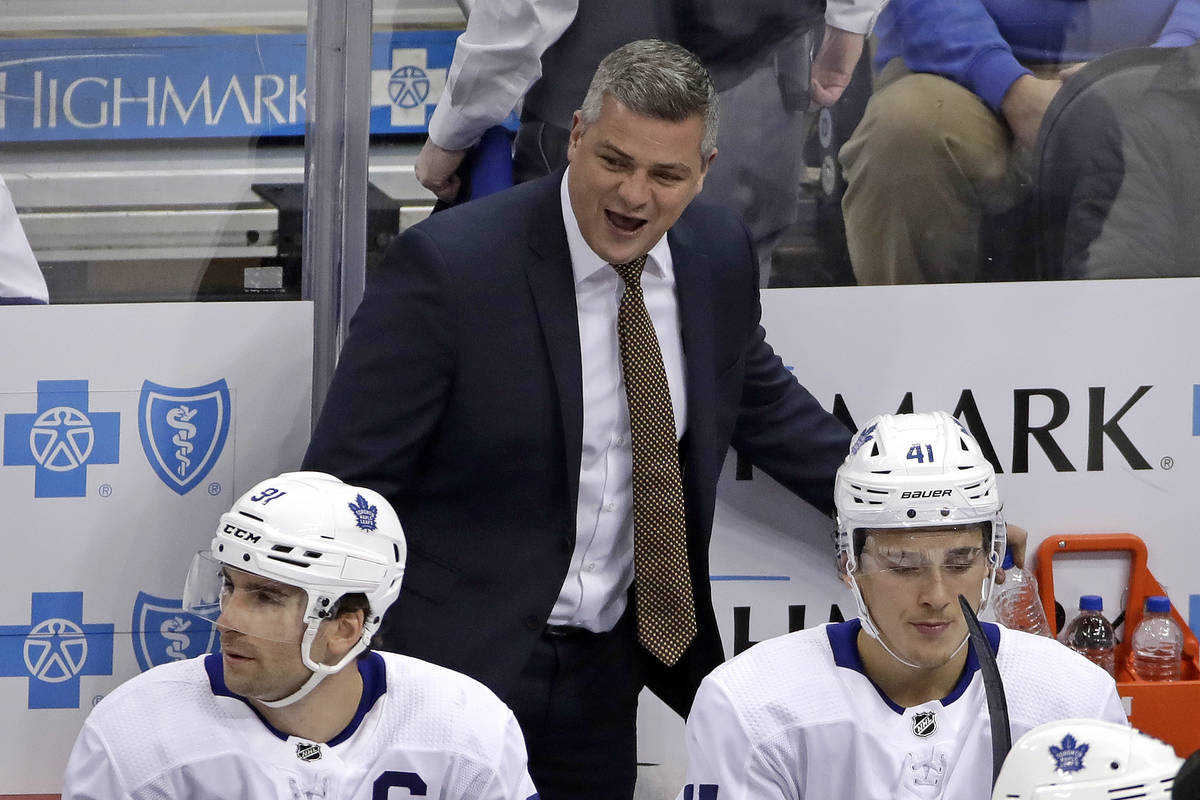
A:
458,396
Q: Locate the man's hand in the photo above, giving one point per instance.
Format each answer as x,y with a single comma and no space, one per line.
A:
1017,539
435,169
834,65
1025,104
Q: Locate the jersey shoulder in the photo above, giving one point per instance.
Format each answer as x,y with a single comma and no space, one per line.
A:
439,708
786,682
1046,680
162,717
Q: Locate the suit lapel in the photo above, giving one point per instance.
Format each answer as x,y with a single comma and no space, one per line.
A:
552,284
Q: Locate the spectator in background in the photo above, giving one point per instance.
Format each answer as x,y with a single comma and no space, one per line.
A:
1150,176
959,99
547,51
21,279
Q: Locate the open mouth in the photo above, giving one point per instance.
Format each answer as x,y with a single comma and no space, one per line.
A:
624,223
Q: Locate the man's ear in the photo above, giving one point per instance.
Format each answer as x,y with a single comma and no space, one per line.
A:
345,630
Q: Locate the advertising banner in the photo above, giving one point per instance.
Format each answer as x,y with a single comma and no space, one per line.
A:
1086,396
171,87
125,431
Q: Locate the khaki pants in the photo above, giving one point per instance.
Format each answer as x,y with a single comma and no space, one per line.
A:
927,161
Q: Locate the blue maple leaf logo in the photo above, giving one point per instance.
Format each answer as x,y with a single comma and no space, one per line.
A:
1068,757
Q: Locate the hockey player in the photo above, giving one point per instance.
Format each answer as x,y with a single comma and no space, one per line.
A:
891,704
295,706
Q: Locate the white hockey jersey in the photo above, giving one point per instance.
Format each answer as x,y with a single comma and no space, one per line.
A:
796,717
177,733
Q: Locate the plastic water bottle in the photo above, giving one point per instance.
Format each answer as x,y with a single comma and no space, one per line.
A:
1018,605
1092,634
1157,643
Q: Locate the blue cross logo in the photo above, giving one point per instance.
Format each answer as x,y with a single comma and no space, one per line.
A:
55,649
61,439
409,86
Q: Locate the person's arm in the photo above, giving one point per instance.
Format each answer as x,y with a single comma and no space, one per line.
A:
1183,26
833,66
393,375
722,757
21,278
497,58
91,773
959,40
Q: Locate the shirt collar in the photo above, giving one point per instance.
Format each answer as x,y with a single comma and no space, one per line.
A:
584,261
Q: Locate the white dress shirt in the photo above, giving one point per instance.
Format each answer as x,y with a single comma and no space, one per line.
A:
499,55
594,592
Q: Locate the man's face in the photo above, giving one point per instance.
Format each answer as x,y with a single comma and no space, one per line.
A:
261,625
910,582
631,177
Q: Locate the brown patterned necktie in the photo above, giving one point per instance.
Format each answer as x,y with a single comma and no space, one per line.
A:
666,613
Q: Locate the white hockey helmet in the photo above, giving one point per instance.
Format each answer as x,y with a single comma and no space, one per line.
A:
312,531
912,471
1087,759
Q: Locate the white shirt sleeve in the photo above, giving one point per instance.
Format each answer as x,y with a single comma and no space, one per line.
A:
91,773
496,60
855,16
20,276
723,761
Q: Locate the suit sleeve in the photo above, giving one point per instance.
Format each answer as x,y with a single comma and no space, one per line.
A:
781,427
390,386
723,761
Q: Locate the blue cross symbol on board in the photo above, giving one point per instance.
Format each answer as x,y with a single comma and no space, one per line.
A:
61,439
55,649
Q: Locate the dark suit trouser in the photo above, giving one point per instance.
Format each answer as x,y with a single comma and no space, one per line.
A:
576,701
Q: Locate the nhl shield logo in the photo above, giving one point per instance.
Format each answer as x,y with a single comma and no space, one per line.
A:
183,430
924,723
163,631
308,752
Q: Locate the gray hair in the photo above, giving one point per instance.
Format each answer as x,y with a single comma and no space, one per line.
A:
656,79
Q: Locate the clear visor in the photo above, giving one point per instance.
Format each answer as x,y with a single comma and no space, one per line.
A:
236,600
955,552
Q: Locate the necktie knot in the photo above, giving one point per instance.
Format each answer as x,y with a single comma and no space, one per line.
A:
631,271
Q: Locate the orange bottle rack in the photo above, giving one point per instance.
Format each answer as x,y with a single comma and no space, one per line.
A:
1167,710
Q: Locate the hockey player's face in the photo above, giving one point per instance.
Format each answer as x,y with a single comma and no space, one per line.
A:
910,582
261,625
631,177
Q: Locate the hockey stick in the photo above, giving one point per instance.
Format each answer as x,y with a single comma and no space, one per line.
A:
993,687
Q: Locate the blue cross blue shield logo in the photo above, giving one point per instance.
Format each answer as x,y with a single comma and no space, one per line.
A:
409,86
183,430
163,632
54,649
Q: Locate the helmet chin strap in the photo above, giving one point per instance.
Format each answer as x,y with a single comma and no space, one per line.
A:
319,671
868,625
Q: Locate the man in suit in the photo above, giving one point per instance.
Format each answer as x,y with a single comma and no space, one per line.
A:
485,389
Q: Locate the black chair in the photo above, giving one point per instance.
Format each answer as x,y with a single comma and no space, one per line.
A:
1081,126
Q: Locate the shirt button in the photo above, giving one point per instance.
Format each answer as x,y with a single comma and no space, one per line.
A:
590,566
610,506
619,440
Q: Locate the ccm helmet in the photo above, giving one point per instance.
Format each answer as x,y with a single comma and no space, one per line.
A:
1087,759
312,531
911,471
